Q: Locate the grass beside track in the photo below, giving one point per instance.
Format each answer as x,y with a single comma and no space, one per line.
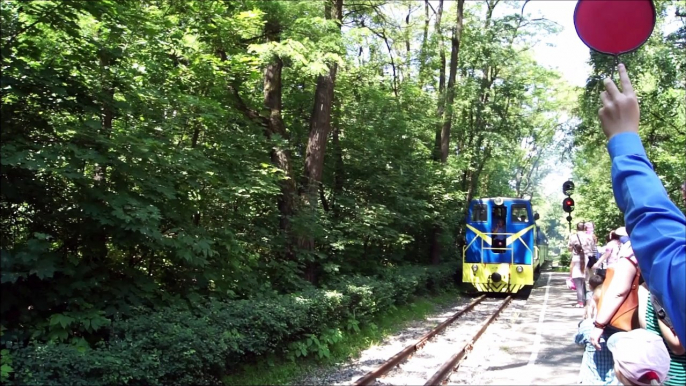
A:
284,372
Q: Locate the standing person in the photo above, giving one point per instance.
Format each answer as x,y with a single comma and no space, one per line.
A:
655,224
593,257
499,237
621,278
601,251
611,254
579,244
595,283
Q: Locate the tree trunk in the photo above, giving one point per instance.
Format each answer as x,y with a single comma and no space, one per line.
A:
320,125
490,4
339,172
477,122
473,189
424,49
445,110
194,143
273,125
441,82
450,92
280,157
435,245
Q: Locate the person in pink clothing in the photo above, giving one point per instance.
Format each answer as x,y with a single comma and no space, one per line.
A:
589,228
594,256
611,254
580,244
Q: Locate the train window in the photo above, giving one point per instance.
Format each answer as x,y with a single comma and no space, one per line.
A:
519,213
499,213
479,213
499,230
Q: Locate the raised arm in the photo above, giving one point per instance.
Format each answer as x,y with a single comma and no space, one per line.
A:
655,225
602,259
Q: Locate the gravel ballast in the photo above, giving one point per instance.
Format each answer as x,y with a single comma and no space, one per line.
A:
422,365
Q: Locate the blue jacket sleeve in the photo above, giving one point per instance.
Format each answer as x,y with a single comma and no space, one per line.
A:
656,227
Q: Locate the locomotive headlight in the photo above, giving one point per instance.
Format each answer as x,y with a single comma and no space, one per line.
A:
498,201
520,269
475,267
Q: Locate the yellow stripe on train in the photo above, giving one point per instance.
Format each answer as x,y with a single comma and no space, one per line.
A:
519,235
508,241
511,280
480,234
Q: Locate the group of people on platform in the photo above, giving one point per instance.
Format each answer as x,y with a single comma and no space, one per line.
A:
616,263
634,324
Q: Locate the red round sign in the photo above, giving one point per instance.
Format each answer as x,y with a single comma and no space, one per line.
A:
614,26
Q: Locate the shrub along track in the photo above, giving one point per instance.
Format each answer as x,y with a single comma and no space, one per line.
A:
411,372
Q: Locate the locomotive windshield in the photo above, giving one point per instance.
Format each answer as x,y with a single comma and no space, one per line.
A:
519,213
479,213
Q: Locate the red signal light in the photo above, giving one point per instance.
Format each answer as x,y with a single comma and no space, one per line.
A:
568,205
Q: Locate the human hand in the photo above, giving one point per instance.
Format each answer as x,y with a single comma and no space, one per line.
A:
620,113
595,337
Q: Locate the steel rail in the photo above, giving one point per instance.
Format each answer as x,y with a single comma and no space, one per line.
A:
447,368
371,376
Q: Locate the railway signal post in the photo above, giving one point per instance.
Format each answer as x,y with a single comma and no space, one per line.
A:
568,202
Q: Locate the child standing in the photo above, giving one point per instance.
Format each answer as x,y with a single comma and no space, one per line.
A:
596,285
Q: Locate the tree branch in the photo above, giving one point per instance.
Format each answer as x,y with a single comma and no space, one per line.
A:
38,21
521,13
246,110
239,102
667,123
382,35
431,6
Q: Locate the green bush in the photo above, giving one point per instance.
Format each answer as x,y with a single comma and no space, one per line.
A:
565,259
181,346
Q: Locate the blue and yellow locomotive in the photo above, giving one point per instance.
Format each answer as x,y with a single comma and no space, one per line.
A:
503,246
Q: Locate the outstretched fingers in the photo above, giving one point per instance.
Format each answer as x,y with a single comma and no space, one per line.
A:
627,88
611,88
605,98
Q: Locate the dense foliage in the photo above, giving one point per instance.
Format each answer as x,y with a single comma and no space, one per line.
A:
180,346
214,180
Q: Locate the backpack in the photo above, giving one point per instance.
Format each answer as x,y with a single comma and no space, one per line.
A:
594,256
625,317
591,260
661,312
577,248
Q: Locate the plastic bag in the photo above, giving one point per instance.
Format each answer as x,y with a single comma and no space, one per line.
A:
570,284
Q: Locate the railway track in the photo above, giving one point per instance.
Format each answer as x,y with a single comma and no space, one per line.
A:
391,373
